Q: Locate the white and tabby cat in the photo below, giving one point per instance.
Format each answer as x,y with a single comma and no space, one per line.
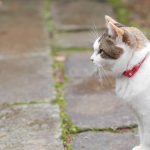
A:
127,51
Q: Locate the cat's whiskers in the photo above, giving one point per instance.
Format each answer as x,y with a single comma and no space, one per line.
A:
92,36
94,31
104,77
100,75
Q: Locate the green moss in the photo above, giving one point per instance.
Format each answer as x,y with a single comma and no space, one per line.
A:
30,103
71,49
131,128
68,128
48,16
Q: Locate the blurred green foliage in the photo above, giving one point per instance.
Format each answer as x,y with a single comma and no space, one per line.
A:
121,11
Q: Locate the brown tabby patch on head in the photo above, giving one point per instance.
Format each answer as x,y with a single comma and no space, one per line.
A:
108,49
134,38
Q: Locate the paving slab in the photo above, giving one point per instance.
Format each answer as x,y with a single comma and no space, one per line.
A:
78,65
38,131
84,39
91,105
79,14
105,141
26,79
26,76
92,102
22,28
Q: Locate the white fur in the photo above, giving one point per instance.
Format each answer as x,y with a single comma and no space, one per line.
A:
135,91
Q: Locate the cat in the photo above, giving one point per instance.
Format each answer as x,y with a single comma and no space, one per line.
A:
126,50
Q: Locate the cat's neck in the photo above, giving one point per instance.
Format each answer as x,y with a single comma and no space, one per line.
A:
130,87
129,59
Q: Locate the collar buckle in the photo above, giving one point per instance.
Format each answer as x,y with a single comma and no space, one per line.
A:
131,72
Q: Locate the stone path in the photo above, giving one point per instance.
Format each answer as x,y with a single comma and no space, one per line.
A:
28,120
91,105
78,16
103,141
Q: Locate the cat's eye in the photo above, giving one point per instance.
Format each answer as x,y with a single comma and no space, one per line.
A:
109,36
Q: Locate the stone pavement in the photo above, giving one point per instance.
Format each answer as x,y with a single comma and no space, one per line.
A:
91,105
79,15
28,120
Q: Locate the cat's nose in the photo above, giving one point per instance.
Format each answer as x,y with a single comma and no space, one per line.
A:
92,59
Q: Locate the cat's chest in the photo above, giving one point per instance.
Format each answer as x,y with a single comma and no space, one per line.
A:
128,88
123,88
136,86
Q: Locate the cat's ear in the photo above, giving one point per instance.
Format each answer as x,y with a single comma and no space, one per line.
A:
114,31
109,19
113,21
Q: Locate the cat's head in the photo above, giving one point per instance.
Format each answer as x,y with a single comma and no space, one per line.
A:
115,42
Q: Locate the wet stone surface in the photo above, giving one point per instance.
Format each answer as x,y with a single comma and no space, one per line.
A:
79,14
26,79
105,141
38,131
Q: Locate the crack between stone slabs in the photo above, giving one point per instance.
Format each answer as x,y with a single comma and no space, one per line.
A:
79,30
73,49
122,129
25,55
25,103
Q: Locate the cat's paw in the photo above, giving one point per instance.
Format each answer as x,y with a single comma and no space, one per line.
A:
137,148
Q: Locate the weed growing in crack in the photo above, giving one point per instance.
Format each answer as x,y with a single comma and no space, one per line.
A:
68,128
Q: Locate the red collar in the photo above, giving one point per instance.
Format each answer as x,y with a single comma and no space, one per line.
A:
131,72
